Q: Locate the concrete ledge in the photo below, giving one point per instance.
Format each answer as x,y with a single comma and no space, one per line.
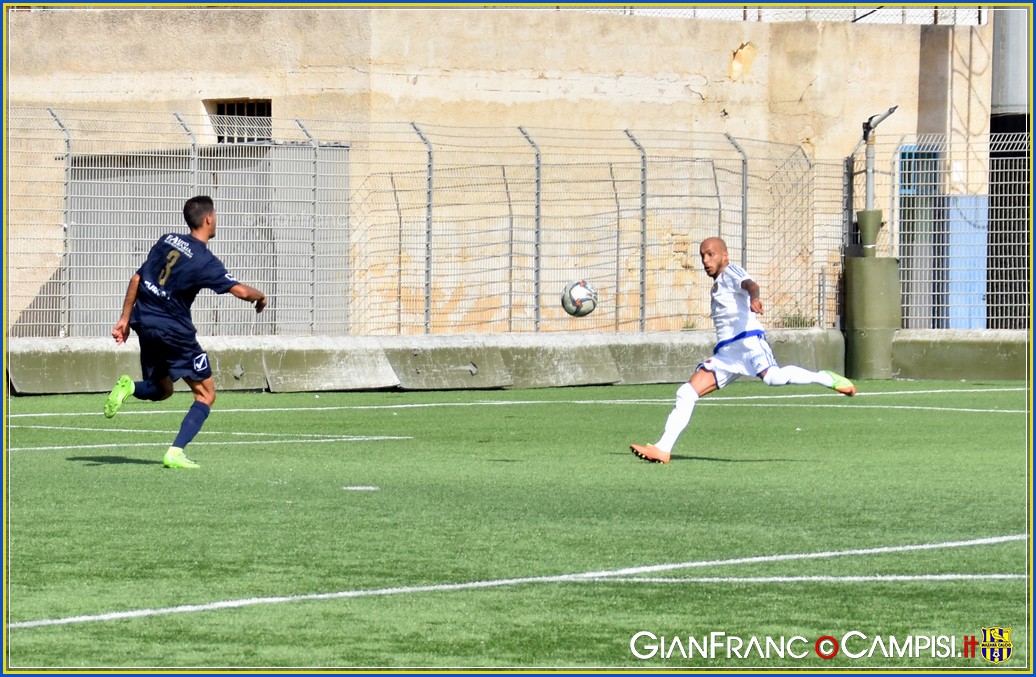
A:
300,364
294,364
236,363
39,366
812,349
562,359
445,362
672,357
660,358
1000,354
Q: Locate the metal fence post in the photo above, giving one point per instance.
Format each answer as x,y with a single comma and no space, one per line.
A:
399,253
194,151
427,232
510,250
643,229
618,244
65,329
895,214
822,299
313,232
744,199
848,192
537,271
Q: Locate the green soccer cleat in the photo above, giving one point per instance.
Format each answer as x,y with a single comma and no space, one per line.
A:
175,458
841,384
123,389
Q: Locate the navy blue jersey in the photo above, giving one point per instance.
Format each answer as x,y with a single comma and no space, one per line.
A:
176,269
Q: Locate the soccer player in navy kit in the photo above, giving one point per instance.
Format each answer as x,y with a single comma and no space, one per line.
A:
741,350
158,307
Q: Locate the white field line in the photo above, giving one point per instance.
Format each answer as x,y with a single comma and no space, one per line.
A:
95,429
884,407
506,582
317,438
503,403
196,443
880,578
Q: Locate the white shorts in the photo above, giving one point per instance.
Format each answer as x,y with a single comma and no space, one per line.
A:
747,357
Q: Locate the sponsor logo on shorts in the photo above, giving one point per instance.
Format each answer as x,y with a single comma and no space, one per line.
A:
201,362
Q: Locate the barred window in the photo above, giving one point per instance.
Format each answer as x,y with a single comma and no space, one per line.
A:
242,121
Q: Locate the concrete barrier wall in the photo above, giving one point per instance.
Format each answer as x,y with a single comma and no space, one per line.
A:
293,364
287,364
998,354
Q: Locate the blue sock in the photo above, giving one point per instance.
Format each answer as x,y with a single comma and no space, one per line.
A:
192,423
147,390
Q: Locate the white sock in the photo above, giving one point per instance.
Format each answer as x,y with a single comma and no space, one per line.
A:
679,417
782,376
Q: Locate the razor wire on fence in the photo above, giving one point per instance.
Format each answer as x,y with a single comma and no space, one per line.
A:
408,228
932,15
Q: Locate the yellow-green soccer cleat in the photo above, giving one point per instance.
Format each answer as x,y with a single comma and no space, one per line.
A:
175,458
123,389
841,384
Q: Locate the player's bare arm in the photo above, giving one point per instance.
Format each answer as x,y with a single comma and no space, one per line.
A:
121,331
753,294
250,294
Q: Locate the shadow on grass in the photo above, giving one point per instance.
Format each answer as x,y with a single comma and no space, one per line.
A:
112,460
715,459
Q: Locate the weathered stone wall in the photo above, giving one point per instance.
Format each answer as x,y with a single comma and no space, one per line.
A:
802,83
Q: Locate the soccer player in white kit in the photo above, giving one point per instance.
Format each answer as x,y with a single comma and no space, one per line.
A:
741,350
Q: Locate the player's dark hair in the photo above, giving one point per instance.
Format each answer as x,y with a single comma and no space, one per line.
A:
196,209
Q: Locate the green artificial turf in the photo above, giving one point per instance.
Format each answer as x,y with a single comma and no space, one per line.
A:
435,529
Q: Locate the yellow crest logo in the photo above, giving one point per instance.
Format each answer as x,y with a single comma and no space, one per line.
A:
996,646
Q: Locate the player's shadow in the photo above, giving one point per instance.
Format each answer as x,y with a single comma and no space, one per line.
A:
714,459
112,460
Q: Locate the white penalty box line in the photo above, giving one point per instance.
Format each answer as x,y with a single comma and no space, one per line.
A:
615,575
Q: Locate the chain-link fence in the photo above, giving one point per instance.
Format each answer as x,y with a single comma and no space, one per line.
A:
958,217
405,228
398,228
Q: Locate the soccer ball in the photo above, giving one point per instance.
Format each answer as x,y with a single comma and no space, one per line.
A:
579,298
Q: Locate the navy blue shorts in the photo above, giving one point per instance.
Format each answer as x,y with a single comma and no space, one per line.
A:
172,356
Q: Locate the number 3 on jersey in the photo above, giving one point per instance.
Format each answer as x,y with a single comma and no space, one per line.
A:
171,258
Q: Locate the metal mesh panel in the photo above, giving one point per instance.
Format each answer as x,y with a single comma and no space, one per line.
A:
831,211
958,218
121,179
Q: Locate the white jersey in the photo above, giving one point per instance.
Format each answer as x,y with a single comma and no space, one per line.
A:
731,305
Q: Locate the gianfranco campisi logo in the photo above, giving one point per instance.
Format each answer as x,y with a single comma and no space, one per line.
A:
995,646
